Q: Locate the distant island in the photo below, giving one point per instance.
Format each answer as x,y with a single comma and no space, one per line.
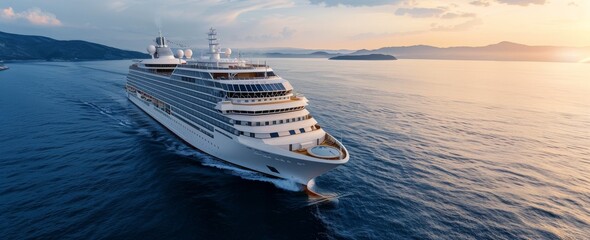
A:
317,54
24,47
503,51
364,57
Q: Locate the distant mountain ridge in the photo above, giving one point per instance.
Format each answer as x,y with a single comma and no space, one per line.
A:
371,57
25,47
317,54
503,51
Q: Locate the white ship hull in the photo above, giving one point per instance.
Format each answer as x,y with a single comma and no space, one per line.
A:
240,150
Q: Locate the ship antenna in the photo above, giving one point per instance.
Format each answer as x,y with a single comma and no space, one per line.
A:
213,45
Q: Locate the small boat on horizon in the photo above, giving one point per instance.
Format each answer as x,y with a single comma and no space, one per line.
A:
3,67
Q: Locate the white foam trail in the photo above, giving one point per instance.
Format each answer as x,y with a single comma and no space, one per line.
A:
109,113
253,176
143,131
209,161
318,197
177,147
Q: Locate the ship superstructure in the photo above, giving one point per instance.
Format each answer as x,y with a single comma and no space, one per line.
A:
235,110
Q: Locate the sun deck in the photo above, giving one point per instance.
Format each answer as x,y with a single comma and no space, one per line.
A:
328,141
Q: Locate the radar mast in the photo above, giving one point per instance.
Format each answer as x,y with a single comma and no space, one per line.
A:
213,45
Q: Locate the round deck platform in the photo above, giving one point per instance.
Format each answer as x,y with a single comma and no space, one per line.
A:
324,152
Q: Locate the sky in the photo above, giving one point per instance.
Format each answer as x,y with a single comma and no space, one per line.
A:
311,24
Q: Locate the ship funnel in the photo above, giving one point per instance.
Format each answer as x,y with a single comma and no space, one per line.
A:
161,41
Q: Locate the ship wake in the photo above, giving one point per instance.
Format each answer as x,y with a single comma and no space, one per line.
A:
209,161
251,175
318,196
106,111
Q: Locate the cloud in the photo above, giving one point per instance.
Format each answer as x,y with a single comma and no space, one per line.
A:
285,33
522,2
372,35
451,15
420,12
118,6
34,15
220,13
354,3
459,27
8,13
481,3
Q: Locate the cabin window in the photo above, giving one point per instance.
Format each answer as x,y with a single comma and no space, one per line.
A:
292,132
302,130
274,135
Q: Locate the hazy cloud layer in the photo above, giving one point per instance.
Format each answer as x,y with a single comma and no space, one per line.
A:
451,15
34,15
459,27
420,12
132,24
354,3
522,2
481,3
438,12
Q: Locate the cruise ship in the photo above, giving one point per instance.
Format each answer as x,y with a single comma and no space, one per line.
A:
236,110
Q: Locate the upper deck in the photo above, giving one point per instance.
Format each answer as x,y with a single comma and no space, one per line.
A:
212,67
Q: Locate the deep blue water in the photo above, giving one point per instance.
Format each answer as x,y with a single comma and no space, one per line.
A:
439,150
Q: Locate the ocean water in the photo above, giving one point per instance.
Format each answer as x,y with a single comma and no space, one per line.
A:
439,150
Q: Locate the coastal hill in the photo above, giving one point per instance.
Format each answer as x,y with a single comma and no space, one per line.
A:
317,54
364,57
503,51
24,47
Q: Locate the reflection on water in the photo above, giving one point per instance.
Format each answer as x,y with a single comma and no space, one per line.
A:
439,149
